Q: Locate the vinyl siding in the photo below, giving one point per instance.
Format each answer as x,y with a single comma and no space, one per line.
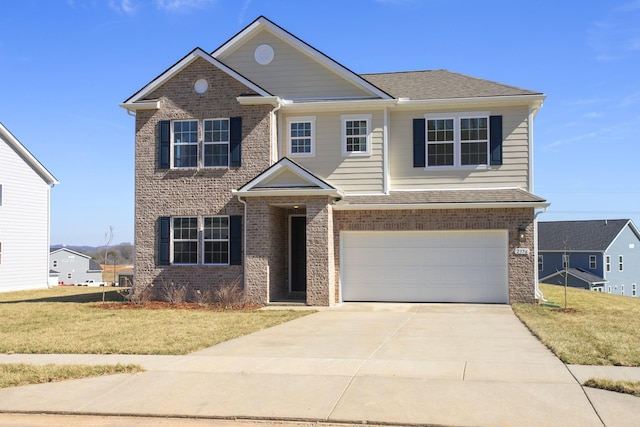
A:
631,262
512,173
355,175
24,223
292,74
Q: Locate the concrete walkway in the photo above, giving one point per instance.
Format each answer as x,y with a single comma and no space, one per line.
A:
454,365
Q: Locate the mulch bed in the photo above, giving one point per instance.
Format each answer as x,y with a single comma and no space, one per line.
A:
565,310
161,305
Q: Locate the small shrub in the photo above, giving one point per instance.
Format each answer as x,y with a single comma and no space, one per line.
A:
138,294
201,297
172,293
230,295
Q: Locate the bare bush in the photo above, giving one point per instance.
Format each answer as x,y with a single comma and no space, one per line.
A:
137,294
230,294
173,293
201,297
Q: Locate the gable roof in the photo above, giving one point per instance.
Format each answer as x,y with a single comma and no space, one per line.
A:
94,265
441,84
578,273
28,158
262,22
130,103
589,235
70,251
287,178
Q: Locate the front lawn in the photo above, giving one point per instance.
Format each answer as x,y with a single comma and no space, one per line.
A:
597,328
18,374
69,320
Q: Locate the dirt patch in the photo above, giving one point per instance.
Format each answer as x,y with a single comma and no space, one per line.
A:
565,310
161,305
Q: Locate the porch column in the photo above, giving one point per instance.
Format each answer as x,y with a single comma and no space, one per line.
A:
320,253
257,250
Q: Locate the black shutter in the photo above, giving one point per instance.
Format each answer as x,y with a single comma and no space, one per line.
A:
235,141
235,240
165,144
495,140
164,238
419,143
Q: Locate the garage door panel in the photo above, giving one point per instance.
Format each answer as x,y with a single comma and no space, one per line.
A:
425,266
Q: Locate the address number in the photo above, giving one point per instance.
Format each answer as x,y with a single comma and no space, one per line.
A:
521,251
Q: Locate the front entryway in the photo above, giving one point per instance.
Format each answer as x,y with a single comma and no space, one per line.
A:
297,254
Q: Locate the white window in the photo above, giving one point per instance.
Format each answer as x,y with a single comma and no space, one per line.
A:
55,263
633,289
68,275
215,143
608,263
565,261
184,235
540,262
356,135
609,288
592,262
185,143
301,136
620,263
457,140
216,240
621,289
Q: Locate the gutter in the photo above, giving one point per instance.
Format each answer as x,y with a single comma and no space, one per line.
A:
342,206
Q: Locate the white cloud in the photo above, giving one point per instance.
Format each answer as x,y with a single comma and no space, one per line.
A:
123,6
593,115
243,10
575,139
617,34
183,5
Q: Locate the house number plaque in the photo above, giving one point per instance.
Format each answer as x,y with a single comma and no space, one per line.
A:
521,251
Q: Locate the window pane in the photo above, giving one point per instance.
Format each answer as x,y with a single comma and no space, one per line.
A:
216,252
185,252
216,228
440,154
474,153
473,129
216,130
185,156
440,130
216,155
300,137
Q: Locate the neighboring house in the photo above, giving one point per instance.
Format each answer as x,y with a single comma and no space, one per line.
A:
268,163
25,186
602,255
73,267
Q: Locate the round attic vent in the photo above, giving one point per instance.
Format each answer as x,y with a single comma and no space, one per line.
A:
263,54
201,86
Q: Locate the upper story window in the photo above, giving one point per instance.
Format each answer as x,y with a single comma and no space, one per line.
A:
620,263
356,135
457,140
540,262
55,263
216,143
185,144
200,143
607,263
592,262
301,136
565,261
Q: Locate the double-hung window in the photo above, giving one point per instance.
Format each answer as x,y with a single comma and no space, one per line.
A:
540,262
216,143
216,240
457,140
565,261
592,262
185,144
185,240
356,135
607,263
620,263
301,136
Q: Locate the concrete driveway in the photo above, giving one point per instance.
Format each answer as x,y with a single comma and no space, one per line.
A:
380,363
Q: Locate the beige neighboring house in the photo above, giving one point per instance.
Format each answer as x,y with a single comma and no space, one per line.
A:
24,216
268,163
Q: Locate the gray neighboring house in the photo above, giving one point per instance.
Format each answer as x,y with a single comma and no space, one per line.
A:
73,267
603,255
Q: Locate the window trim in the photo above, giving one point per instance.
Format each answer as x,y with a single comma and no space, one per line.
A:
622,289
540,262
204,241
205,143
173,144
173,240
457,142
620,263
302,119
607,263
593,262
54,263
565,261
633,289
343,129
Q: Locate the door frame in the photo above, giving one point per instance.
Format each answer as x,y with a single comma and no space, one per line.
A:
289,257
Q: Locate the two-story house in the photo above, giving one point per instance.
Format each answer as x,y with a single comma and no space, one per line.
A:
269,163
25,186
72,267
601,255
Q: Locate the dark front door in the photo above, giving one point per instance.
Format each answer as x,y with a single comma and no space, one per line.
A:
298,250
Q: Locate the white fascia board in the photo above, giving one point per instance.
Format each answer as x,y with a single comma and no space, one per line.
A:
330,105
422,206
286,164
284,192
142,105
303,47
260,100
27,156
70,251
195,54
535,101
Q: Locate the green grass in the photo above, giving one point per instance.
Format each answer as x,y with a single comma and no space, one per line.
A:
598,328
68,320
18,374
628,387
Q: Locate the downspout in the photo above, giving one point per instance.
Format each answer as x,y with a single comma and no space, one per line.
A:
244,245
276,130
385,152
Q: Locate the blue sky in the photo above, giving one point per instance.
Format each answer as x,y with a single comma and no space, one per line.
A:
65,65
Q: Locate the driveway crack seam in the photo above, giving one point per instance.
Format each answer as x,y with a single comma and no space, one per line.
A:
585,394
346,387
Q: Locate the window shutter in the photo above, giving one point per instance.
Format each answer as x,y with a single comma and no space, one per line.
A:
419,143
495,140
164,238
235,141
235,240
165,144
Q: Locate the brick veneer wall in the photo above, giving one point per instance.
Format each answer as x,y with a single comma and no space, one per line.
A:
521,267
192,192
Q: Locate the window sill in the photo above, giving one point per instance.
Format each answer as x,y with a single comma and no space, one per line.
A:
461,168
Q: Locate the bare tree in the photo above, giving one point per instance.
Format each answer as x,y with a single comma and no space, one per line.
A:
108,237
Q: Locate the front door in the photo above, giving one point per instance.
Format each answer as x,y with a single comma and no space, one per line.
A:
298,254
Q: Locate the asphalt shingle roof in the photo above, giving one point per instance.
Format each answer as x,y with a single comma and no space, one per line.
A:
591,235
512,195
440,84
580,274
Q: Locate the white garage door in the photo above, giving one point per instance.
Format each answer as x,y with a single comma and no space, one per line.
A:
424,266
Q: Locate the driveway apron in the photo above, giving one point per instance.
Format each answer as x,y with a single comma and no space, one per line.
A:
446,364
